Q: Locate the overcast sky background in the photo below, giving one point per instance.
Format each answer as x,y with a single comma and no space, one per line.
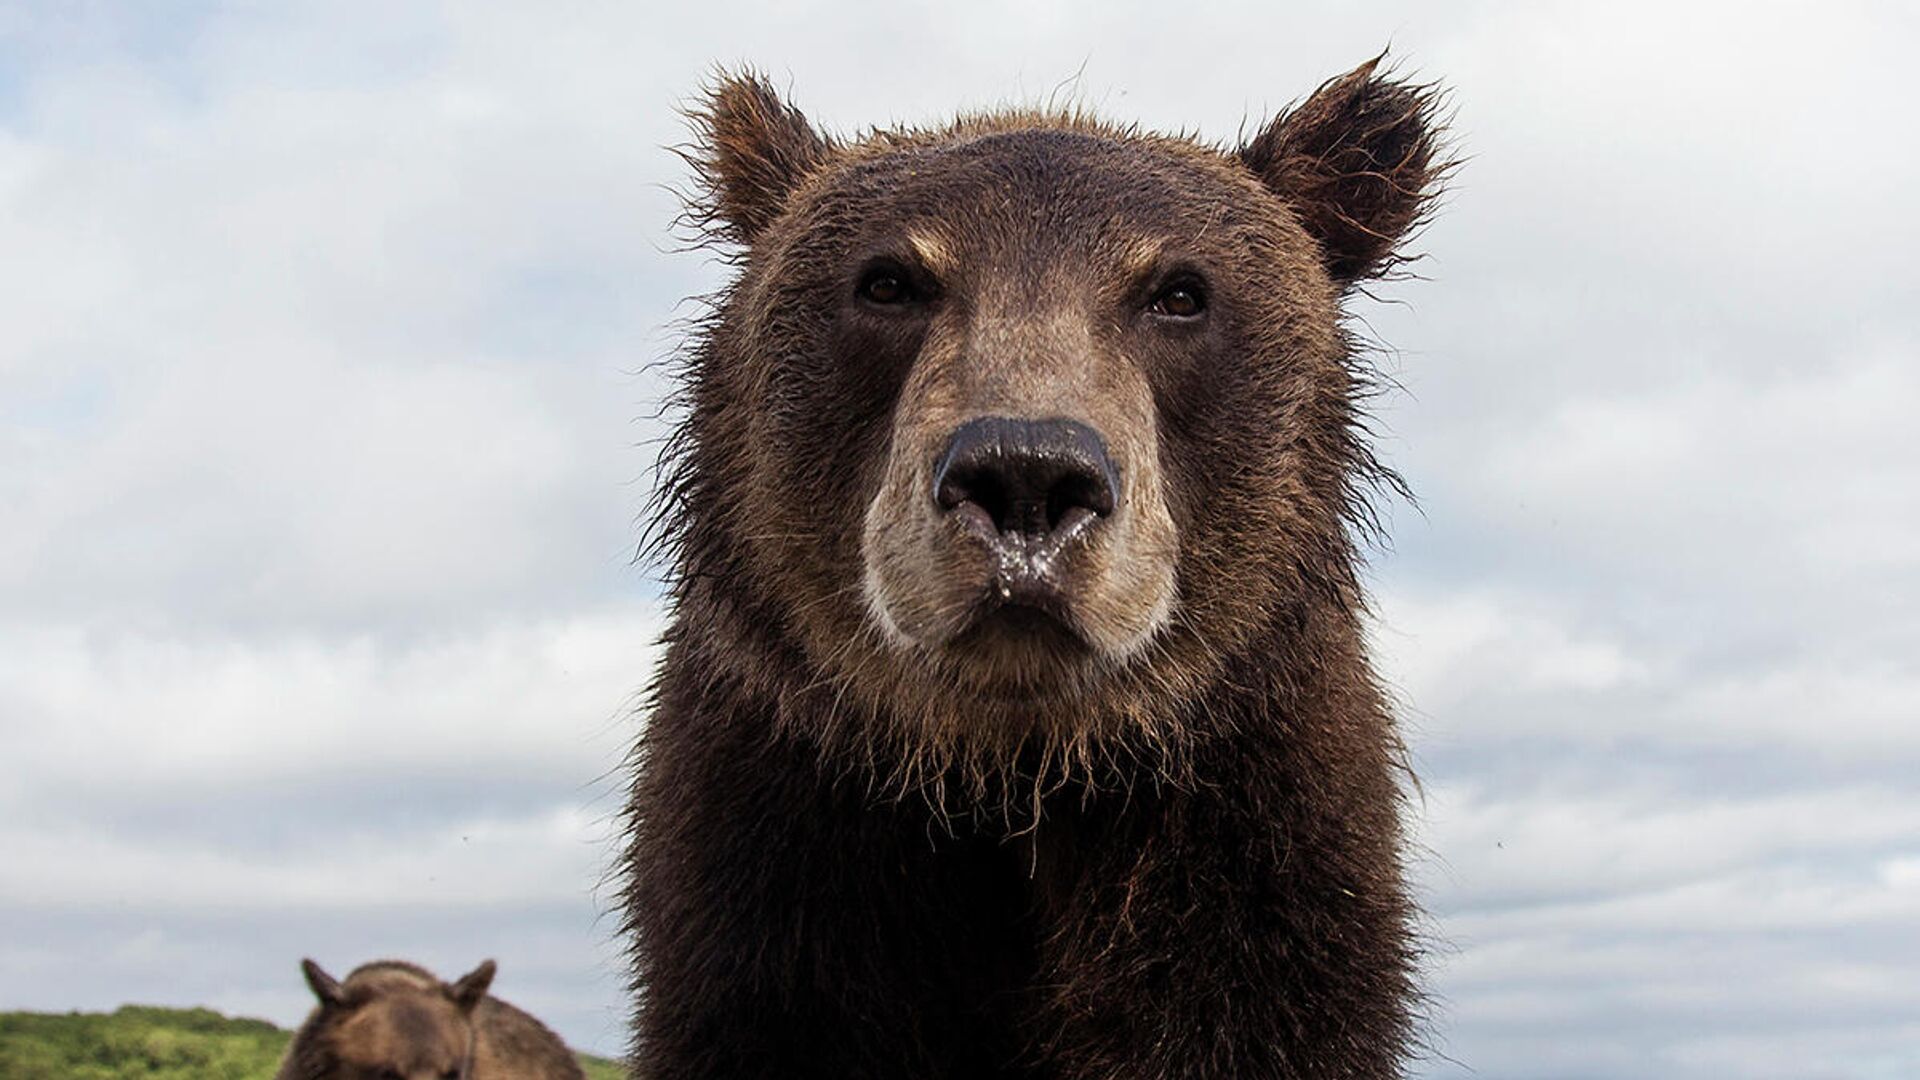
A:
322,329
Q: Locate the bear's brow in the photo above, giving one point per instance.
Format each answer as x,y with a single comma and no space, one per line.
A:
1142,256
933,251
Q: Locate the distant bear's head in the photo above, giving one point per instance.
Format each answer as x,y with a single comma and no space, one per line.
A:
1010,431
394,1021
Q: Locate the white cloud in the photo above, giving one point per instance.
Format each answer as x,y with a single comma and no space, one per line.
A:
184,817
1672,933
1478,665
110,715
1735,474
1440,652
477,862
1606,851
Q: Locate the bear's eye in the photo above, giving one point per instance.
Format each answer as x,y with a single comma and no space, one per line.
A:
886,286
1184,298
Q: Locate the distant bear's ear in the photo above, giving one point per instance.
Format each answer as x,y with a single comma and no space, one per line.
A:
751,151
324,986
467,991
1359,161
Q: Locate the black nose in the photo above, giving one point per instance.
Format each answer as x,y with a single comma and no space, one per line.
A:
1030,478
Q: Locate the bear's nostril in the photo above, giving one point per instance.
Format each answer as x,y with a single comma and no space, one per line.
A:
977,484
1077,492
1029,478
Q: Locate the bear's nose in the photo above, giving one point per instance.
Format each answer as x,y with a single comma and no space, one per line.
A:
1026,479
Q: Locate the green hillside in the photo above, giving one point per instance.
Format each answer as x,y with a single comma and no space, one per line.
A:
139,1042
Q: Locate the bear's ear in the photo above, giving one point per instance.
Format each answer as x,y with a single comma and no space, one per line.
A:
324,986
467,991
751,151
1359,162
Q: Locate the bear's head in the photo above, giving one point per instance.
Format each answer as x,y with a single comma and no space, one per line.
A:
394,1021
1010,433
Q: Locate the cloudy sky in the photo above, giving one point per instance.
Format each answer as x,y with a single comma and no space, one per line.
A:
324,411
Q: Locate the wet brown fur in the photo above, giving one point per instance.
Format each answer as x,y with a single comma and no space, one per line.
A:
868,841
391,1019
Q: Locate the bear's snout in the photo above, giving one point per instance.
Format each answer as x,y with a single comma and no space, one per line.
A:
1026,485
984,517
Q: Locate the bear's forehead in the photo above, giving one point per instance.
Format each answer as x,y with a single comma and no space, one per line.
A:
408,1031
1033,183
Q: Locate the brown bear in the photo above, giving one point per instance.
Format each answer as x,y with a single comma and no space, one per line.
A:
391,1020
1015,718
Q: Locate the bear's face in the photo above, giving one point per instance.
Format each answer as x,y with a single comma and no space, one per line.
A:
403,1035
391,1021
1030,421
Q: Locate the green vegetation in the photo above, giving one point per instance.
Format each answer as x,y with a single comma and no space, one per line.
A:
601,1068
139,1042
